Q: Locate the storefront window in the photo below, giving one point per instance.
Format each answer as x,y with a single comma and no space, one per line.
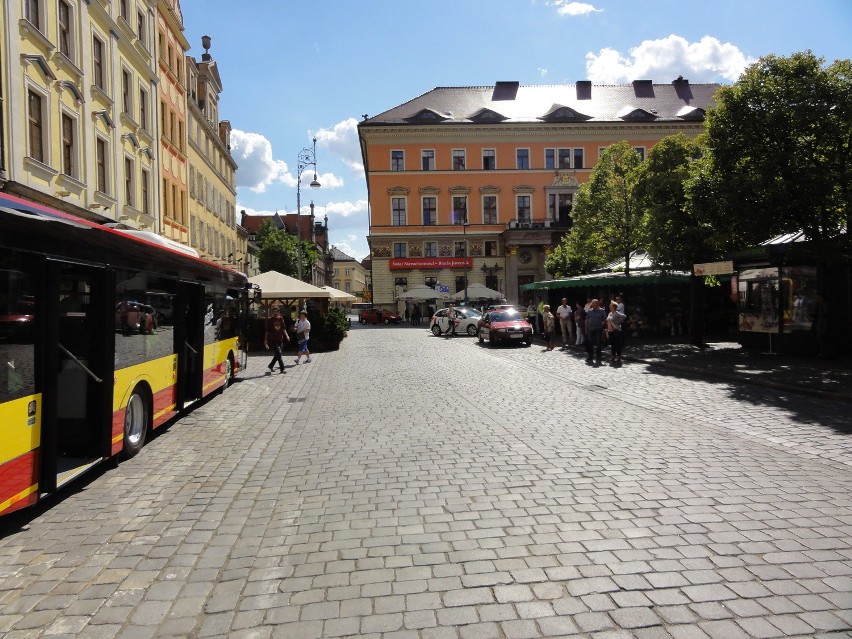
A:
798,285
758,300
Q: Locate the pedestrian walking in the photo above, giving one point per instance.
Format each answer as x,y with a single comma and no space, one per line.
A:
614,322
566,322
303,334
415,315
549,324
275,337
580,323
595,318
451,321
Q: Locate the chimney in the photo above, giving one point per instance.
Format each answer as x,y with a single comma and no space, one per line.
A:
505,90
584,89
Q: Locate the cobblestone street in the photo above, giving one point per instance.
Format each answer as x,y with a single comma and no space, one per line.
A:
409,486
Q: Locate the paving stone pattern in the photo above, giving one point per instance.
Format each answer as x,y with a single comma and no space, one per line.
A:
408,486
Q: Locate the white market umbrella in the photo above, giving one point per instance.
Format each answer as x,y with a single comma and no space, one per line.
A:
419,293
338,295
478,292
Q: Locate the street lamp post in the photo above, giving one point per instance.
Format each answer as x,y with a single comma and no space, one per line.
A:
307,157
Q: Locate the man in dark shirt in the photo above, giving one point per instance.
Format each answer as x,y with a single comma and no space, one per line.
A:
276,336
595,318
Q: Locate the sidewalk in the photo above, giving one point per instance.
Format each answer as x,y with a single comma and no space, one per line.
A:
827,378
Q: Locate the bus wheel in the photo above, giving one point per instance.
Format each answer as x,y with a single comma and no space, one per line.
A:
136,417
229,372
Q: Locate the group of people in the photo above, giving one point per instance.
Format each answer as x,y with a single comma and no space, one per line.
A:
276,337
587,325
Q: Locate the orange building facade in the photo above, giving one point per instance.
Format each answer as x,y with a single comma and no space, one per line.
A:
476,184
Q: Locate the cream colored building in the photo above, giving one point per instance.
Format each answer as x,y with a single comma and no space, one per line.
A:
212,170
79,108
172,108
349,275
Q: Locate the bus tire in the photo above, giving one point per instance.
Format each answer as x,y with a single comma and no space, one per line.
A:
229,371
137,419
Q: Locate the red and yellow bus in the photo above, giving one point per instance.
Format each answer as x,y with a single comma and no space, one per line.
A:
105,334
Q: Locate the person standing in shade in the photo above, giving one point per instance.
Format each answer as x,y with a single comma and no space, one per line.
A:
566,322
275,337
595,318
616,336
580,321
549,325
303,334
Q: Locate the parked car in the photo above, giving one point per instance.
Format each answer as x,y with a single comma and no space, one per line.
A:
504,325
467,318
377,315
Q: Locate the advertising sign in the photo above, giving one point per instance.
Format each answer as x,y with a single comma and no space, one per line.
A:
430,262
713,268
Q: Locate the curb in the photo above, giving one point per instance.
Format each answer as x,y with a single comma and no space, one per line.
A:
752,381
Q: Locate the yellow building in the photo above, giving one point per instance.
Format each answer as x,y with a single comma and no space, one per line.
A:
172,108
78,105
476,184
349,275
212,171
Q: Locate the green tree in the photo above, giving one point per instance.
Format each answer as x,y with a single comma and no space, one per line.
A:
608,220
781,140
280,251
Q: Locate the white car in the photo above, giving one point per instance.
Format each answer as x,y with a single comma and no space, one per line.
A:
467,319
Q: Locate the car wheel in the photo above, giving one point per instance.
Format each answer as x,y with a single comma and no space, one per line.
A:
387,321
136,417
471,330
481,339
362,320
436,330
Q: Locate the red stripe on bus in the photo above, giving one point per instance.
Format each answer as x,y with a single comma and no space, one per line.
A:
16,477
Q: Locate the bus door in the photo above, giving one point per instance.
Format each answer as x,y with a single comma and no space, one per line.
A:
189,343
78,380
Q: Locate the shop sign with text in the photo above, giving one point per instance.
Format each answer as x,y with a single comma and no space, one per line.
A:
430,262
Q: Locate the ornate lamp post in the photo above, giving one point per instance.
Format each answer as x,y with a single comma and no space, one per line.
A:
307,157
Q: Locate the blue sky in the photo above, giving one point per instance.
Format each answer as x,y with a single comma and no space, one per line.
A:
294,70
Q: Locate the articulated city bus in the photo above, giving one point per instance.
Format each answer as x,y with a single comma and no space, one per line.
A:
105,334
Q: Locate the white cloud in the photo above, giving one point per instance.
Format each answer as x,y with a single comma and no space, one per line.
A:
257,167
665,59
566,8
349,249
342,141
346,209
250,211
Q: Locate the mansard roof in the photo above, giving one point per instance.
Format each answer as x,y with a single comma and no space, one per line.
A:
512,103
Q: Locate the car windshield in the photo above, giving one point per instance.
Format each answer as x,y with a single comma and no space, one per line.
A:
505,316
472,313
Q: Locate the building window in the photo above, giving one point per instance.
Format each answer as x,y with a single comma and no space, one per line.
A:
550,158
430,249
164,112
458,159
36,126
491,248
98,62
126,89
430,210
32,10
64,19
128,182
489,160
143,109
427,160
397,160
122,9
146,192
578,158
524,210
459,209
491,282
141,32
101,162
399,249
640,151
522,159
460,283
460,249
68,146
489,209
398,208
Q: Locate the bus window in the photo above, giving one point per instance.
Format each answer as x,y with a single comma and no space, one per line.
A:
17,320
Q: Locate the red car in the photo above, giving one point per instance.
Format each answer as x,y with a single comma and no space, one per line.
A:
378,316
504,325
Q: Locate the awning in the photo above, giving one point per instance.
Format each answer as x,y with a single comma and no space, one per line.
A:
639,278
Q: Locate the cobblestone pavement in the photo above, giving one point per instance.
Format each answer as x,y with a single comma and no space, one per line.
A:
408,486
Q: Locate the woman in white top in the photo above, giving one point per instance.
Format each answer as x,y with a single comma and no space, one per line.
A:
613,326
303,333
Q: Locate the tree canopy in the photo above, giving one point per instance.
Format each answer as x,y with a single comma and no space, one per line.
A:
280,251
781,145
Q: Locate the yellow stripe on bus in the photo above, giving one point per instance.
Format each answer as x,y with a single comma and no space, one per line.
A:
167,409
14,499
21,426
